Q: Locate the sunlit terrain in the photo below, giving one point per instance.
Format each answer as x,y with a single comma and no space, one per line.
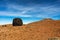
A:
40,30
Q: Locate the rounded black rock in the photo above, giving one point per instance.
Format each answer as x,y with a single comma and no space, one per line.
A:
17,22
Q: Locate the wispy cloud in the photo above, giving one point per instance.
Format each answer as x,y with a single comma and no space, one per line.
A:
14,14
31,11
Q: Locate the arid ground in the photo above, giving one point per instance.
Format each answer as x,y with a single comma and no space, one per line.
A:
40,30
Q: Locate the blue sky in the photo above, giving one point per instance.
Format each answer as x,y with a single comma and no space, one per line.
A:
28,10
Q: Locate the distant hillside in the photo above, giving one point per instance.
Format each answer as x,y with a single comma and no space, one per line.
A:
47,22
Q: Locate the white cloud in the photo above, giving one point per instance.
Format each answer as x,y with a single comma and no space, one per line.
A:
23,11
14,14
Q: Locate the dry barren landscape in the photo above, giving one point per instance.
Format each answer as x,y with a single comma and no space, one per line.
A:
40,30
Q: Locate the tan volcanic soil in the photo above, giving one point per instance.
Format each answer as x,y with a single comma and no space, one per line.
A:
40,30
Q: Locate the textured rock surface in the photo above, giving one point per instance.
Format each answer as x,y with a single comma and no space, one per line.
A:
17,22
40,30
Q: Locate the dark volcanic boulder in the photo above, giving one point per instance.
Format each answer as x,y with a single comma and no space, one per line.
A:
17,22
